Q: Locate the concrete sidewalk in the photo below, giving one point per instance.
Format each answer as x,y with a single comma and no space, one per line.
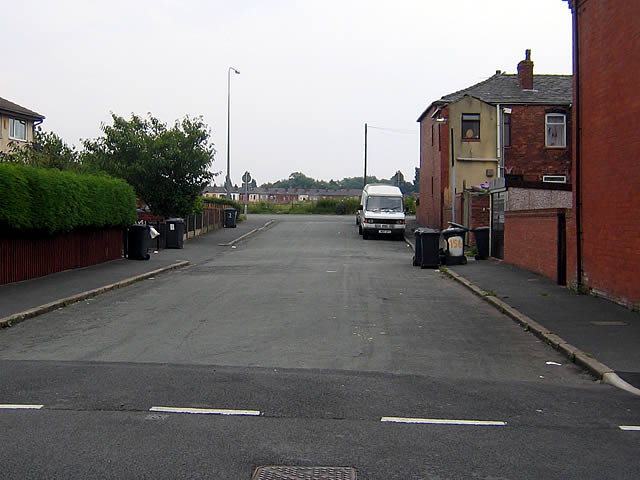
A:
598,334
46,293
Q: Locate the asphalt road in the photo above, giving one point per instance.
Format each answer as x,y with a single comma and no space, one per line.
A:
315,335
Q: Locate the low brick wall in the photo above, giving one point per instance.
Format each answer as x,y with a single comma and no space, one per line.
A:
25,258
532,239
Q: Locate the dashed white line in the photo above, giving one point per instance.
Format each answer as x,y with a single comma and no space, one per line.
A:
15,406
443,421
205,411
630,428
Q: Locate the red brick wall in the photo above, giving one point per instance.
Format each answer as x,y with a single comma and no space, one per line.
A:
434,172
527,154
531,240
479,210
609,103
25,258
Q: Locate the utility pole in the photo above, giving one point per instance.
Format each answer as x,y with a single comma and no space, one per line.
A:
364,181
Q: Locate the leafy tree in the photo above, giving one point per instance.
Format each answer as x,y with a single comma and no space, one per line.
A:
416,180
47,150
167,167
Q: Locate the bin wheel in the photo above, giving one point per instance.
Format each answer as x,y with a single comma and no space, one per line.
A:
464,260
360,229
365,235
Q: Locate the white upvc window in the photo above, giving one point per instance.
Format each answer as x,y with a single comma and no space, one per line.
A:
17,129
555,130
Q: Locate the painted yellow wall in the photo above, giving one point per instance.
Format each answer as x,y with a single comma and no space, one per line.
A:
4,133
473,172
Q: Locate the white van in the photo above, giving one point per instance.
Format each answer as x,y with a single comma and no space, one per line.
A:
381,211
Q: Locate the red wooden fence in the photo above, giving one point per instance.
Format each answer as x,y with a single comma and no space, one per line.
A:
24,258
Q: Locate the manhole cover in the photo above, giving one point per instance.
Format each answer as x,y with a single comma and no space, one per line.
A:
304,473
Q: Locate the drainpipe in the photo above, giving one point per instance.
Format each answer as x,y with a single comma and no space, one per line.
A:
577,117
499,137
453,177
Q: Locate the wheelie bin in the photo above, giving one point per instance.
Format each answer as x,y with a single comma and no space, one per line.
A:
481,234
454,249
230,215
427,243
138,240
175,233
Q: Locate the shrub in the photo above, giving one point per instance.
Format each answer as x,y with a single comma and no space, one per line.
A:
51,201
324,206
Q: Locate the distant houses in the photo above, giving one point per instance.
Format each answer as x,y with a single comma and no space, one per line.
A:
281,195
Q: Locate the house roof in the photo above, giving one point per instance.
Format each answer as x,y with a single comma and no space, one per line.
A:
505,88
10,107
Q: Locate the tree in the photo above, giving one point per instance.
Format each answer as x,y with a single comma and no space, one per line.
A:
167,167
47,150
416,181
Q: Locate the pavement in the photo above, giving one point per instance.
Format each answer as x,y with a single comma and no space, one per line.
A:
22,300
595,333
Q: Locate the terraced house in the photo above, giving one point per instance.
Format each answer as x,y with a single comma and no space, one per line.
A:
509,130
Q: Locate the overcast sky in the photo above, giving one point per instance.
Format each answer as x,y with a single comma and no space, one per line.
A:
312,72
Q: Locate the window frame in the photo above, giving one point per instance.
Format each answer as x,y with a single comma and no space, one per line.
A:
12,136
564,129
506,129
468,120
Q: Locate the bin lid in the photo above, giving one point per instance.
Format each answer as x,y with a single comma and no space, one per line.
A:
138,225
425,230
454,230
175,220
480,229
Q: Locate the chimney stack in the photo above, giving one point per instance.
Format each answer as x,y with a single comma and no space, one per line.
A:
525,72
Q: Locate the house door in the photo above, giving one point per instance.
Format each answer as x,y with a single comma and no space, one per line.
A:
497,224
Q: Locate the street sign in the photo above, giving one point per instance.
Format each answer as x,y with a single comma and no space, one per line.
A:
246,178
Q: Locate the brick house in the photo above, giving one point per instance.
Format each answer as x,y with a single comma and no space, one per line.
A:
606,42
16,124
509,127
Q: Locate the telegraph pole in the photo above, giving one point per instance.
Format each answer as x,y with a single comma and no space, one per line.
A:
364,181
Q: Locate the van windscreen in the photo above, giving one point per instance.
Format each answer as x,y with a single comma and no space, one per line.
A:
384,204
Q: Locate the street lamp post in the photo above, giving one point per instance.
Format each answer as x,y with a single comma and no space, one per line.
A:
227,182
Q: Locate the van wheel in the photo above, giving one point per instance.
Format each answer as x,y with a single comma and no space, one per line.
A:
365,235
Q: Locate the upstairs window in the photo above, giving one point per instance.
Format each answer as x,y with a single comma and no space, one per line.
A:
506,129
555,130
17,129
470,126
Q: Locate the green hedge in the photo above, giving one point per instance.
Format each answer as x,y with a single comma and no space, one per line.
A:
325,206
53,201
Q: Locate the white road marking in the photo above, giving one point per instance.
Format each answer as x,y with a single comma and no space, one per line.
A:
9,406
443,421
205,411
630,428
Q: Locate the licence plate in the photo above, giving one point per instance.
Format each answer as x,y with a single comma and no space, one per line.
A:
384,231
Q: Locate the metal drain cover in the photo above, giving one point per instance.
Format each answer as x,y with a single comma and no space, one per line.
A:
304,473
